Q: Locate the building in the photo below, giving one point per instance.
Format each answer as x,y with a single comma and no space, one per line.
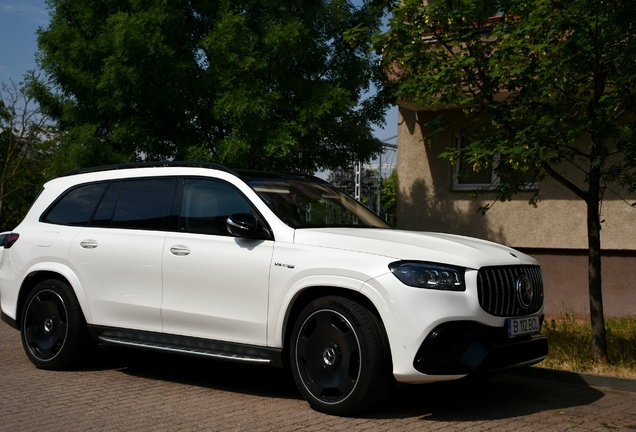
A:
431,198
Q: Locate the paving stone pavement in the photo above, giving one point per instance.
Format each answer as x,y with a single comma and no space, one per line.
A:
133,390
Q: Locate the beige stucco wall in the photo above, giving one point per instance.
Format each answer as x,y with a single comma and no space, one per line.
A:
426,201
566,283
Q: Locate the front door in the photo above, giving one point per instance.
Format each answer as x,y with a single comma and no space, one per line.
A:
215,286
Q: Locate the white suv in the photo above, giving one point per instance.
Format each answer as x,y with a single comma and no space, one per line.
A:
263,268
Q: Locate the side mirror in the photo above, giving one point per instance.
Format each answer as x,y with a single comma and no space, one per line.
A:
246,225
242,224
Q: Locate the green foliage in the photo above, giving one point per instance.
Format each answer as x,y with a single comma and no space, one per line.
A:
547,88
532,83
257,84
26,142
389,196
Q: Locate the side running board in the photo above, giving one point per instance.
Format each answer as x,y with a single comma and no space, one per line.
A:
188,345
199,352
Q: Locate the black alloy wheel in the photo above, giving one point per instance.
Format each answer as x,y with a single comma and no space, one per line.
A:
45,325
340,356
53,328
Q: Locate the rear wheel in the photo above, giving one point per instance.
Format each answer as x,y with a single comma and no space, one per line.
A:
53,328
340,356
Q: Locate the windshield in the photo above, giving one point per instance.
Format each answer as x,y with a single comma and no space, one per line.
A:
308,202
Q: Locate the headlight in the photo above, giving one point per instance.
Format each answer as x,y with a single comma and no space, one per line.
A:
421,274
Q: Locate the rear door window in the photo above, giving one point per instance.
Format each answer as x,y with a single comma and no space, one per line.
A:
143,204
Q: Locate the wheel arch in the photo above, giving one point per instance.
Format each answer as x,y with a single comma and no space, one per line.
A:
38,274
309,294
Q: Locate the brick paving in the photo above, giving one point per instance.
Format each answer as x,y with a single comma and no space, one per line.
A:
132,390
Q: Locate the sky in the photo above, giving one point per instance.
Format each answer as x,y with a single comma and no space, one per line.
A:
19,22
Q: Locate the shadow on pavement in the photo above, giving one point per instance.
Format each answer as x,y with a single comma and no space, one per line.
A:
503,396
221,375
507,395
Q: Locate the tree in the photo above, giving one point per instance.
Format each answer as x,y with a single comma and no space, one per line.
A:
25,143
544,85
389,196
260,84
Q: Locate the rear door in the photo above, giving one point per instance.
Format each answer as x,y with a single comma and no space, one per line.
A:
118,257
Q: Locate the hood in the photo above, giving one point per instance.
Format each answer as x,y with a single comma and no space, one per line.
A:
414,245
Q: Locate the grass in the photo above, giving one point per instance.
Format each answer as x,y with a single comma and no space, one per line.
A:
570,340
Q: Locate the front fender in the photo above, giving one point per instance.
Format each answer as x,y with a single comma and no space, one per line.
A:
276,331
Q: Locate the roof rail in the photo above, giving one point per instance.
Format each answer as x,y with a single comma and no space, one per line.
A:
155,164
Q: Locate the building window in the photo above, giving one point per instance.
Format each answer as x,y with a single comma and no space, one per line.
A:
483,179
471,180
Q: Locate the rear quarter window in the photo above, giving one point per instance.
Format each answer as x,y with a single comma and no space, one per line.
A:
76,206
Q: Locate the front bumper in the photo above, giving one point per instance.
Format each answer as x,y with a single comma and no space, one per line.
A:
467,347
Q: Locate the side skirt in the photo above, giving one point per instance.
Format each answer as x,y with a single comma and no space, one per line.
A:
186,345
6,318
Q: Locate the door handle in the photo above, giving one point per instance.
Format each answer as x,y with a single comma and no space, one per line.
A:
180,250
88,244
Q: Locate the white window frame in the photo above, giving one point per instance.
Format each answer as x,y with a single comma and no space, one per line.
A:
475,186
470,186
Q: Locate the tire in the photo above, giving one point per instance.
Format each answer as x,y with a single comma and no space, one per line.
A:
53,328
340,356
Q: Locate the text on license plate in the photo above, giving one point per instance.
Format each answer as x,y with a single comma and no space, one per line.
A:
522,326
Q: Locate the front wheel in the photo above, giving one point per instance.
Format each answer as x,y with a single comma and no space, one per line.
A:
340,356
54,334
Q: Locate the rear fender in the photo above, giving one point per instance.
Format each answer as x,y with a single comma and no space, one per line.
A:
71,278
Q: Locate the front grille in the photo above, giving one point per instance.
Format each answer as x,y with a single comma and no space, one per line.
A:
498,294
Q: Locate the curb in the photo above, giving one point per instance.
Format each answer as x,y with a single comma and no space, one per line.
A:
592,380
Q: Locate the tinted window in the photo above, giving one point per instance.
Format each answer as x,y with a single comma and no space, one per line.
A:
207,204
143,203
106,208
77,206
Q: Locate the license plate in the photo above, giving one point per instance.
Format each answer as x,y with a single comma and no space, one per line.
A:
523,326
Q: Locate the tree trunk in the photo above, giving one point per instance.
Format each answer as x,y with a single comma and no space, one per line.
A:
599,340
